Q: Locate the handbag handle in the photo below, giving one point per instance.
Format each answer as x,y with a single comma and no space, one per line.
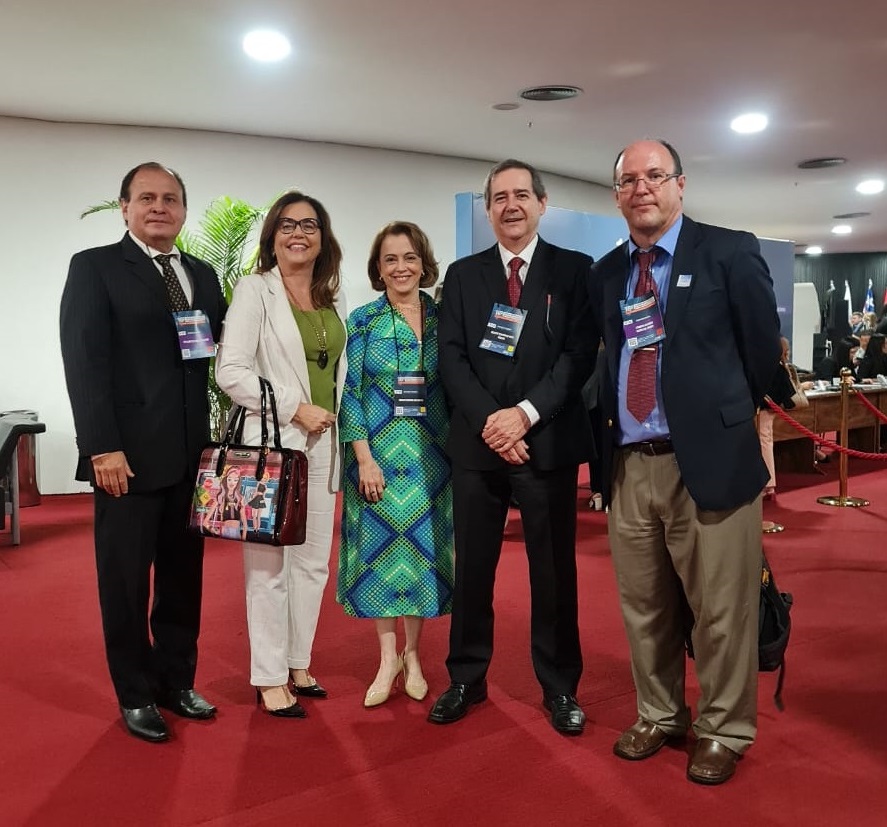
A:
234,432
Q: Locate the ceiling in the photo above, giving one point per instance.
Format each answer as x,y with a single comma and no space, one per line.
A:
423,75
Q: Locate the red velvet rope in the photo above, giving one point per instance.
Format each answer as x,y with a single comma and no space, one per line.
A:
882,416
819,440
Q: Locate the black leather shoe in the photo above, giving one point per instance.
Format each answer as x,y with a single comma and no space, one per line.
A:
454,703
567,716
145,722
310,690
187,703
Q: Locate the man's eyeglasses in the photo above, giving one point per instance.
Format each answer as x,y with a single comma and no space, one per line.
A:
287,226
653,181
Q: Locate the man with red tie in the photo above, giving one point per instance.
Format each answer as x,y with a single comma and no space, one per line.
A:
514,355
692,341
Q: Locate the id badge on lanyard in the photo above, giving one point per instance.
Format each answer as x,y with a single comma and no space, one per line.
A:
195,334
410,393
503,329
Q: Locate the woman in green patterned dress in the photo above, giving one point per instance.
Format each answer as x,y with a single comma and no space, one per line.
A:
396,553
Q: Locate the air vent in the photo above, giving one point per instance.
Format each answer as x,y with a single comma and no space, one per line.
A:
550,93
846,215
821,163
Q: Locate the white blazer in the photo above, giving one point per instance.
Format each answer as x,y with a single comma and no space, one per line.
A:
261,338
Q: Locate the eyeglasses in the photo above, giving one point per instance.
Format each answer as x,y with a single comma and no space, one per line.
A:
287,226
654,180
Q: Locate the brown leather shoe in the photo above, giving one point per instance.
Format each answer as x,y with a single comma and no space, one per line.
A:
712,762
640,741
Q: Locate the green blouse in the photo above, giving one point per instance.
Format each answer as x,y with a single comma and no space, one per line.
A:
321,330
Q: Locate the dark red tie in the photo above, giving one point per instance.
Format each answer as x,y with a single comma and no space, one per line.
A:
640,396
514,282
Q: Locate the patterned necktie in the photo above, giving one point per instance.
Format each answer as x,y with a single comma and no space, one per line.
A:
640,397
177,299
514,283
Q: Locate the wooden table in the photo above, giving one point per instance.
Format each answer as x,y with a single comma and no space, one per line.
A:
794,452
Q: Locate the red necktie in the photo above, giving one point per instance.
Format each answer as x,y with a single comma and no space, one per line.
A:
640,396
514,282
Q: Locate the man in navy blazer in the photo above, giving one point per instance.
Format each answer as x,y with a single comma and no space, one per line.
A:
684,472
141,416
518,427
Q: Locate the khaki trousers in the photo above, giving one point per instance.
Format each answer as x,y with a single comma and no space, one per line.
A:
665,548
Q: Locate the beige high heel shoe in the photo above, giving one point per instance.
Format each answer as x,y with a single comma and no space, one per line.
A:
376,697
416,688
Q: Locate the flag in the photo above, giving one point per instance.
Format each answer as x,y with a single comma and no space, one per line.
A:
884,304
869,306
849,300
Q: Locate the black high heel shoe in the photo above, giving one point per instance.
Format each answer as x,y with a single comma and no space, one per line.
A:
311,690
295,710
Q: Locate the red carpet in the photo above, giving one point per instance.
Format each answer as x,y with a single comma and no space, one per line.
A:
65,758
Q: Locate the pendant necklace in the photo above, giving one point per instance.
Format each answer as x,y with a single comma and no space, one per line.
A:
323,357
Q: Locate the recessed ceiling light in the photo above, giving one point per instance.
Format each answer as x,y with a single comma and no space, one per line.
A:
813,250
266,45
505,107
844,216
749,123
821,163
871,187
550,93
842,229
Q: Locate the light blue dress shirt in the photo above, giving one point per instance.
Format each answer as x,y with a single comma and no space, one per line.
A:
656,425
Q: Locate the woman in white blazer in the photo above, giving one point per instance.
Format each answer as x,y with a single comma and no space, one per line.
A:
285,324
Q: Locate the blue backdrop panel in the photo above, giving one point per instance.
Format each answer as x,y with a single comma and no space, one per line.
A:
598,234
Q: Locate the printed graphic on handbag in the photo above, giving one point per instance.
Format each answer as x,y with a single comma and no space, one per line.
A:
256,493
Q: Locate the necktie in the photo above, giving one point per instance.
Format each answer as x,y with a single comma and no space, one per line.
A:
640,397
514,282
177,299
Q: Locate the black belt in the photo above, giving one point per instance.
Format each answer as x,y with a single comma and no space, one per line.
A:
652,448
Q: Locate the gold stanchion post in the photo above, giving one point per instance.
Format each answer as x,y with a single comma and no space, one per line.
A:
842,500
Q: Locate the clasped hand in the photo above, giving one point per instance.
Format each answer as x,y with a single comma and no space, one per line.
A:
504,433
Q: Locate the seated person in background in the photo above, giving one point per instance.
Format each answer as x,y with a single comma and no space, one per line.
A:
863,336
874,362
857,323
842,357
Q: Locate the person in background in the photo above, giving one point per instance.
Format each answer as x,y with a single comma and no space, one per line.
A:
874,363
285,324
787,391
842,357
683,471
396,551
514,355
141,415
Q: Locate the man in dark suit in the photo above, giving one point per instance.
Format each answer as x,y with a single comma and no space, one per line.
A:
141,416
683,469
514,354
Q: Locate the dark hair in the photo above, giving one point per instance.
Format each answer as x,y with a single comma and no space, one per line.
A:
127,179
326,277
420,244
678,166
842,352
511,163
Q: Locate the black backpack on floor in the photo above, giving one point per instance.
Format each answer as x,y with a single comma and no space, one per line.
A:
774,628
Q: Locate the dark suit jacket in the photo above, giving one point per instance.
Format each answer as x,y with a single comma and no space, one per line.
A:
553,358
130,389
719,355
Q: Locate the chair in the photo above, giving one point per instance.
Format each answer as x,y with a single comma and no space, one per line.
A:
12,426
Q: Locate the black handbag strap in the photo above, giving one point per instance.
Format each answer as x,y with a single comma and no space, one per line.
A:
268,388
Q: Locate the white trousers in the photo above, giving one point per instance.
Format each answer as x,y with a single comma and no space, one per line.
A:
284,586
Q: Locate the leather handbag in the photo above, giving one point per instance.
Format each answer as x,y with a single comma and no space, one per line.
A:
252,492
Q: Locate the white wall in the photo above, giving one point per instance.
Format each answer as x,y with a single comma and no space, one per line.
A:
50,172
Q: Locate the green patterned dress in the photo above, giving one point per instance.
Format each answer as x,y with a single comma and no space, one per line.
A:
396,556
